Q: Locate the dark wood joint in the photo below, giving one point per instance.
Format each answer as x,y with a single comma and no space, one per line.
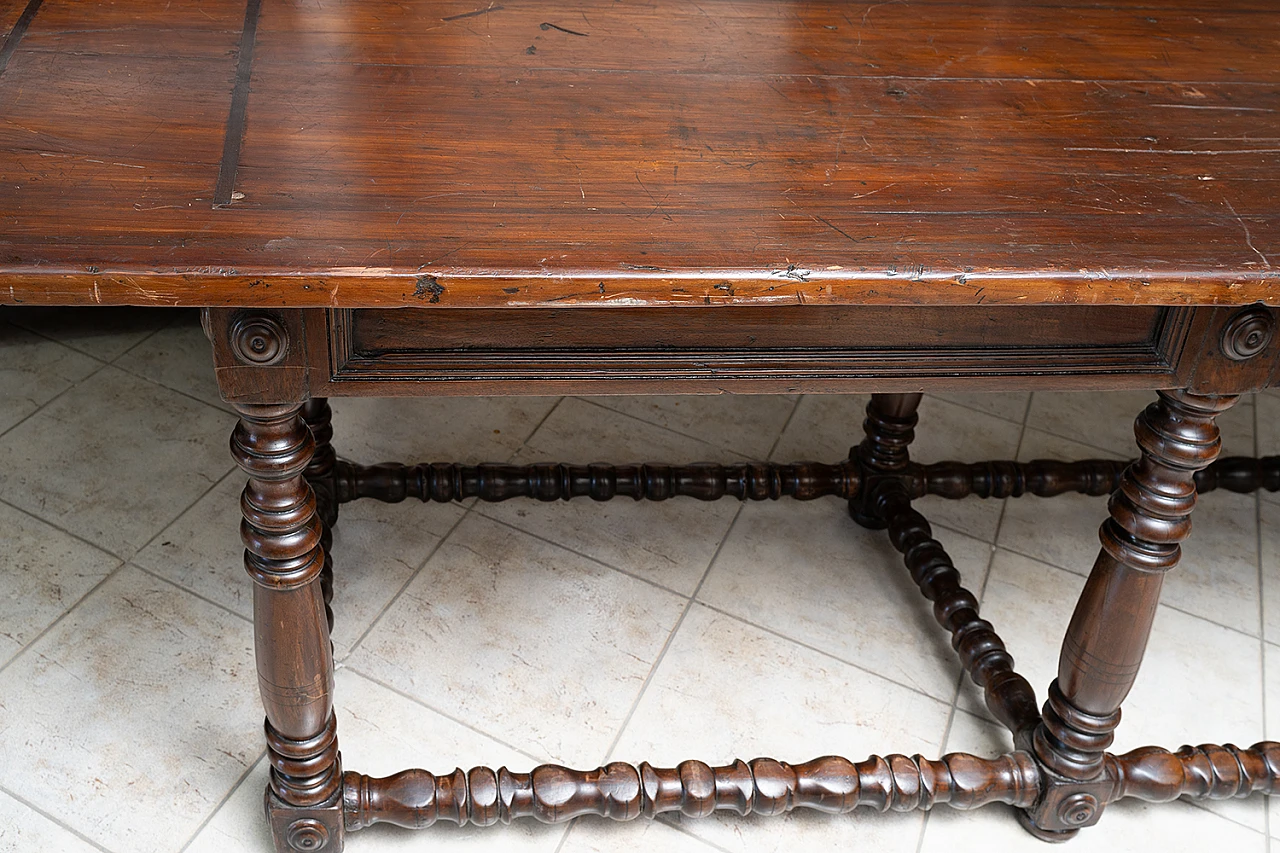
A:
259,355
882,457
306,829
1239,351
1066,805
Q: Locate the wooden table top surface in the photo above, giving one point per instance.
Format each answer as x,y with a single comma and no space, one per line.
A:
355,153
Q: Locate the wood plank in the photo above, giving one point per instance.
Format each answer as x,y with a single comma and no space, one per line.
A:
655,160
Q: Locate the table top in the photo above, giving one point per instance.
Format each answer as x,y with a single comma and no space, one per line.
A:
355,153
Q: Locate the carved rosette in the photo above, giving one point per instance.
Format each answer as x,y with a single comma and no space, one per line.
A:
1248,333
259,339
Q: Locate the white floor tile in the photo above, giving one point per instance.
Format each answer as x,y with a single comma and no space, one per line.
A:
1010,405
807,571
34,370
542,648
178,356
670,543
376,549
43,572
1105,420
134,716
22,829
746,425
726,691
115,459
1217,577
435,429
381,733
104,333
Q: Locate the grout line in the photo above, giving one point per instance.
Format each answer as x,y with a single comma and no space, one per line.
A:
564,837
77,833
102,365
65,613
785,426
1262,610
42,335
629,416
1026,413
662,653
461,721
948,401
692,599
111,574
168,321
1174,607
72,534
596,560
466,511
528,438
824,652
979,596
253,765
373,623
217,481
1203,806
230,412
191,592
680,827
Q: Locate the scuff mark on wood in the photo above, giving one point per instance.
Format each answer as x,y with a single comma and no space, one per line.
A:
793,271
477,13
428,288
547,25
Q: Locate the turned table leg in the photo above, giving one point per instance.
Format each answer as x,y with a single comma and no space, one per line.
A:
283,555
1104,644
890,428
320,475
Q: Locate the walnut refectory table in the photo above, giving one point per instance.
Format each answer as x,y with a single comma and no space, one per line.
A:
443,198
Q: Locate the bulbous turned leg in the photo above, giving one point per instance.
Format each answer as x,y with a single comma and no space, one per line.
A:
321,475
889,427
284,557
1107,636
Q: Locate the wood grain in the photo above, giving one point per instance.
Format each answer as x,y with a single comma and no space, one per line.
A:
672,154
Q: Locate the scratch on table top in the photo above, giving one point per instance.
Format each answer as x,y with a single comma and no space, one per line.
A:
1248,239
1203,151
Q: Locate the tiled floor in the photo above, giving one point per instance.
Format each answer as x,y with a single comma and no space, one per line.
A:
578,633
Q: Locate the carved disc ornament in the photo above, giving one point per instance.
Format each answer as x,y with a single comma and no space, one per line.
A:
1248,333
259,339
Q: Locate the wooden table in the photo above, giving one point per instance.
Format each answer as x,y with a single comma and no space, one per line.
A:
376,198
